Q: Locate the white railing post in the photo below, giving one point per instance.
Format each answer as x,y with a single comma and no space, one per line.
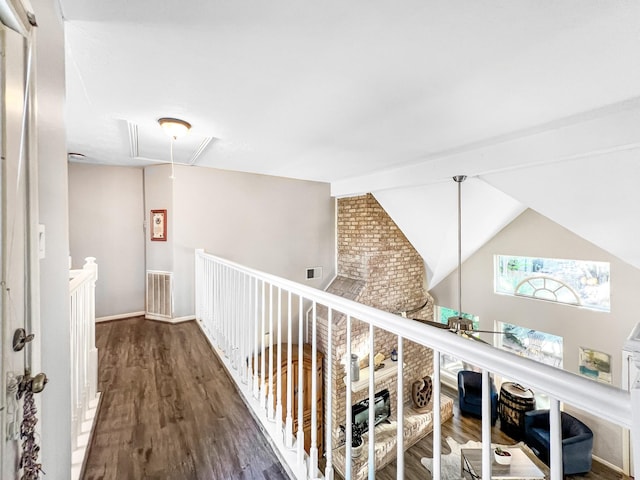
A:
90,264
328,471
400,408
555,437
371,431
263,367
271,400
437,421
278,414
347,423
632,344
302,465
256,345
313,449
635,427
486,425
288,429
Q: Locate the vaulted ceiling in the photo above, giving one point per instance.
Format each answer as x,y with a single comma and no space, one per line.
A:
538,101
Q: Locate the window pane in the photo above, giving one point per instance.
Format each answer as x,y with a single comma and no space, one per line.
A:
540,346
573,282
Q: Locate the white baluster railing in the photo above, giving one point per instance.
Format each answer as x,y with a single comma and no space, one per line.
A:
84,359
213,294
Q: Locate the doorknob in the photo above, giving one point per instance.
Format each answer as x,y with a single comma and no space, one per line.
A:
28,383
38,382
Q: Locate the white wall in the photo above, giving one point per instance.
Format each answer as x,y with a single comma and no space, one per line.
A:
106,217
273,224
158,195
55,452
533,235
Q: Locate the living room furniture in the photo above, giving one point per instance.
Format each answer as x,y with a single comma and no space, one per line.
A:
307,375
417,424
577,440
470,395
521,466
513,402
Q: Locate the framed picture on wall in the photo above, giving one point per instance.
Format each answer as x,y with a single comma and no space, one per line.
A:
595,365
158,225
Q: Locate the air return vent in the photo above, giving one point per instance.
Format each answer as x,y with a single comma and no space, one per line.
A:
313,273
159,295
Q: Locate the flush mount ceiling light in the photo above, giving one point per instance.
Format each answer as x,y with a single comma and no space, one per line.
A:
174,127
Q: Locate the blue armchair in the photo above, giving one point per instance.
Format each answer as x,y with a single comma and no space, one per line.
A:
577,440
470,395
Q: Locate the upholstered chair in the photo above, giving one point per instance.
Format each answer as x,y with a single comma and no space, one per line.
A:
470,395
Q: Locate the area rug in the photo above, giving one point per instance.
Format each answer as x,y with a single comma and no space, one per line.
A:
450,463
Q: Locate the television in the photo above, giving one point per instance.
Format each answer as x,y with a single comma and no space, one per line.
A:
360,411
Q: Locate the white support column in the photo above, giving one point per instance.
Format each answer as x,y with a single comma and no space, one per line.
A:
437,418
400,408
555,433
486,425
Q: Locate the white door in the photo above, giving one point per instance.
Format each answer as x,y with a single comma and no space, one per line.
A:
18,256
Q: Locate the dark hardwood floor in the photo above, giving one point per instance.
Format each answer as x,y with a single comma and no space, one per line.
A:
169,411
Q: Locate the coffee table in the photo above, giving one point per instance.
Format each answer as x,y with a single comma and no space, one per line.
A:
521,466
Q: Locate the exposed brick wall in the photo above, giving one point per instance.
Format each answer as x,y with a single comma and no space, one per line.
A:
377,266
372,248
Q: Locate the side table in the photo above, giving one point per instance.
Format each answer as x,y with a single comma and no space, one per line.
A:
514,401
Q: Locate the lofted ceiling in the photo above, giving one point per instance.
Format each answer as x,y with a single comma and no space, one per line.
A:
385,97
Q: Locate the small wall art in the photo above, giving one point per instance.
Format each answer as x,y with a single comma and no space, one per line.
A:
158,225
595,365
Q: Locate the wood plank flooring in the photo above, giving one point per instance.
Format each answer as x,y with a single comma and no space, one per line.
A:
169,411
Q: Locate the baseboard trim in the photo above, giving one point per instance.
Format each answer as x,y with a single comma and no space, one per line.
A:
119,317
607,464
156,318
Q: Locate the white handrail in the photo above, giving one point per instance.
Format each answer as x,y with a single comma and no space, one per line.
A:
598,399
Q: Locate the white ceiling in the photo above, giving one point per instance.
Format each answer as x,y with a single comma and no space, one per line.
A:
368,95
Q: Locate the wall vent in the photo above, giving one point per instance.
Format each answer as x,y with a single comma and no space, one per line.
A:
159,304
314,273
